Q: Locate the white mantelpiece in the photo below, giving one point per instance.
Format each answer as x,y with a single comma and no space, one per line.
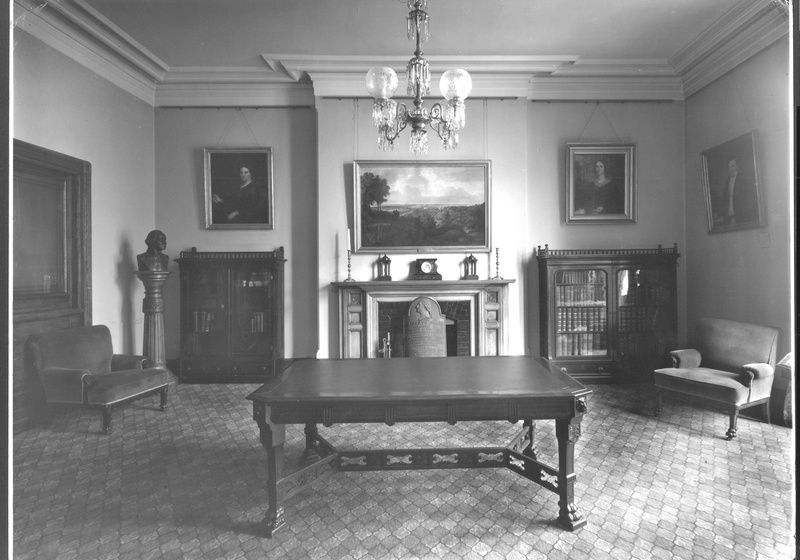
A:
357,319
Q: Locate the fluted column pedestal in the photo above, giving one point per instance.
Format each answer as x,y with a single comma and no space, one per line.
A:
153,307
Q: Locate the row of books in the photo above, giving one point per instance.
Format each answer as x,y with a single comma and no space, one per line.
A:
203,321
581,294
257,321
635,319
583,276
646,294
572,319
588,344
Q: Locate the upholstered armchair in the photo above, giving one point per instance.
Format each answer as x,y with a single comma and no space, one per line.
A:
77,366
731,364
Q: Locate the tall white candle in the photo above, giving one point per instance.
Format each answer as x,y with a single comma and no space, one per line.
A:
349,240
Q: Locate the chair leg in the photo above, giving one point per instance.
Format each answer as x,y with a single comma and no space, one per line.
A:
766,412
734,415
659,403
164,397
106,419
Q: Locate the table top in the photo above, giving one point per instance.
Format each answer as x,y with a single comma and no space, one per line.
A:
451,378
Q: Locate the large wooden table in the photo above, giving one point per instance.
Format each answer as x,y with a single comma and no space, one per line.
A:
394,390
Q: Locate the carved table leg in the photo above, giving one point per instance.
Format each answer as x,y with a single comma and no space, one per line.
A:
530,450
310,453
568,432
272,438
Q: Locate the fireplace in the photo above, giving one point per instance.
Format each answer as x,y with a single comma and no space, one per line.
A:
370,313
458,320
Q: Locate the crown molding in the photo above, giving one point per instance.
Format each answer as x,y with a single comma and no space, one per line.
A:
295,66
533,77
746,29
78,31
234,95
606,88
211,86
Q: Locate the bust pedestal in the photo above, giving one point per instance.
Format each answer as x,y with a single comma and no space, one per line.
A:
153,308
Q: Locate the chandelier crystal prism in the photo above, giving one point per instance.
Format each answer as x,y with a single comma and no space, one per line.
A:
391,118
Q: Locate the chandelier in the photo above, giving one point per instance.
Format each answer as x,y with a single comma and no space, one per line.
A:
390,118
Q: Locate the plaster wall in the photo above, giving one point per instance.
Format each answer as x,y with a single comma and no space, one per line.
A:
60,105
181,136
744,275
526,145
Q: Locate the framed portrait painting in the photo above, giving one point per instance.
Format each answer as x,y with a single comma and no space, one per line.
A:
601,186
411,206
729,177
238,188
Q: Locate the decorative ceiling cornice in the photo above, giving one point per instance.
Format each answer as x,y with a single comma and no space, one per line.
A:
80,32
746,29
77,30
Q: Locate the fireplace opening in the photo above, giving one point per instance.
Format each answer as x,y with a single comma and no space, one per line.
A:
458,327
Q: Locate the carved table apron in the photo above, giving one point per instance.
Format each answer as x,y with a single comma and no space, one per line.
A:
448,389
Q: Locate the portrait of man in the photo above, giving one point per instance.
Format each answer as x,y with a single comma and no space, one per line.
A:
238,188
730,183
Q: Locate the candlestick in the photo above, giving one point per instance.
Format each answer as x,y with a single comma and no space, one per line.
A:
349,278
497,264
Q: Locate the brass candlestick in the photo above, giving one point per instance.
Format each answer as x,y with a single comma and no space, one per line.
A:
349,278
497,264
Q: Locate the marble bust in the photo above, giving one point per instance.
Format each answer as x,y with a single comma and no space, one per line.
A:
154,260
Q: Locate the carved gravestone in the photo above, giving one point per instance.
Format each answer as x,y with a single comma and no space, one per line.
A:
425,330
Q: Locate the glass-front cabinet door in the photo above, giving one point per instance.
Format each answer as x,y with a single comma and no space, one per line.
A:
581,312
205,321
251,313
646,311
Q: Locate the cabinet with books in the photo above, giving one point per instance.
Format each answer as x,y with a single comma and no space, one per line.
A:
607,315
231,315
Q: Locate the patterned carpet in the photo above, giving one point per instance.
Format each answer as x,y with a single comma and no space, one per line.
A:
189,483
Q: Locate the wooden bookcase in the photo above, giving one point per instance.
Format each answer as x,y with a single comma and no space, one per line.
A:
231,315
607,315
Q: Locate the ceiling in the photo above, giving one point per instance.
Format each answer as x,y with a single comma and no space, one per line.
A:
289,52
234,33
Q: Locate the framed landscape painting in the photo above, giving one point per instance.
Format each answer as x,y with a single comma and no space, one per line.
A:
730,185
600,184
238,188
410,206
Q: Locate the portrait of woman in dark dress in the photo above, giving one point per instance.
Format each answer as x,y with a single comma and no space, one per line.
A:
239,188
602,194
246,204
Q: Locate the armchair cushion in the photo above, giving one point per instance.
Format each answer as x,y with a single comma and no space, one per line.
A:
110,388
714,384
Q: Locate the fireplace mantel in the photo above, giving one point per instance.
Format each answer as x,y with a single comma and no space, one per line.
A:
358,318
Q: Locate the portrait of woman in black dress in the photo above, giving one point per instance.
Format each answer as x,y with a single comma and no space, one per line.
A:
238,188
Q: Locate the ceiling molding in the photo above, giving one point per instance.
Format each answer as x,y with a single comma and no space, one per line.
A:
230,86
234,95
498,76
606,88
745,30
78,31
